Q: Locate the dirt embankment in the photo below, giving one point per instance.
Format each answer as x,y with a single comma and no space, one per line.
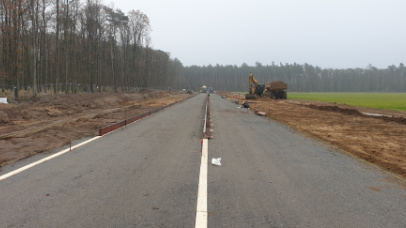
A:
377,136
30,128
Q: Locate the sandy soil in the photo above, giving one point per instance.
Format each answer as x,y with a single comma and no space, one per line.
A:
30,128
378,139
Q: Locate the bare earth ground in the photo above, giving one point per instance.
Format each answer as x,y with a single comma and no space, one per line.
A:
30,128
380,140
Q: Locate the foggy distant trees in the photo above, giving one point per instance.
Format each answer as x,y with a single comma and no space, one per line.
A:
300,78
69,45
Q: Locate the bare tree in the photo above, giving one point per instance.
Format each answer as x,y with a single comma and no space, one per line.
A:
34,12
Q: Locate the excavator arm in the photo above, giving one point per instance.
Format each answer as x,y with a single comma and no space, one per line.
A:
254,81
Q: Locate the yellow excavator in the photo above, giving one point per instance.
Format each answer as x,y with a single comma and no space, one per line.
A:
275,89
253,80
255,91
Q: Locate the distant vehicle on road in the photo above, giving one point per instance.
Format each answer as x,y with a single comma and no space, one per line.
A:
203,89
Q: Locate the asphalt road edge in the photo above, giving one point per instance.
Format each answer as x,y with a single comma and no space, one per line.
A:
26,167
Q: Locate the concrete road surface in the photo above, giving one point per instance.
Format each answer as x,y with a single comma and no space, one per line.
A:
146,175
272,176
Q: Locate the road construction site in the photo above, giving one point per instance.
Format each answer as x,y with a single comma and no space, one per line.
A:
273,173
374,135
27,129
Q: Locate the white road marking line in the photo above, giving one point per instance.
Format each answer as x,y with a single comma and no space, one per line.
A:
201,209
17,171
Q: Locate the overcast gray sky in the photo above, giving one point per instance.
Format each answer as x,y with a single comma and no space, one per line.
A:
326,33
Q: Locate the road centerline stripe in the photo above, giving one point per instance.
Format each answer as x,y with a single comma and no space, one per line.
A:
201,208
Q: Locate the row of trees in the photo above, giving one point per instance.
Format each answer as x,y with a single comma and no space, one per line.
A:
73,43
65,42
300,78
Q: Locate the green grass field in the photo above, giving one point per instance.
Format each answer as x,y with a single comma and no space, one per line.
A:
392,101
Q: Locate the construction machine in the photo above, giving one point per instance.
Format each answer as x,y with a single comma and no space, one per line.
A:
275,89
255,91
203,89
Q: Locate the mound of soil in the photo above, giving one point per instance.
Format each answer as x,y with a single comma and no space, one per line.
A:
355,112
336,109
399,120
277,85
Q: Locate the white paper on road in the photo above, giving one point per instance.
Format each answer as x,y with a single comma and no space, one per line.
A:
216,161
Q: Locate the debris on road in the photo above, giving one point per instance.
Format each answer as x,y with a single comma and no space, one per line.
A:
246,105
260,113
216,161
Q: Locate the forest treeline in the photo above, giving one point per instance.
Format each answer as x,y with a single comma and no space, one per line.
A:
71,45
65,45
299,77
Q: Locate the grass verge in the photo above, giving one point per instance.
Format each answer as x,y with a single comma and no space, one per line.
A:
392,101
